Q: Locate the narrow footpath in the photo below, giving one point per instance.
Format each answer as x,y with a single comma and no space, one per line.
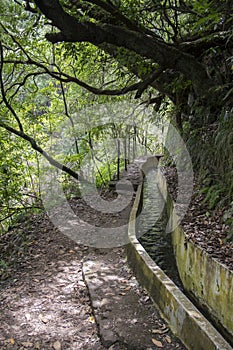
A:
56,294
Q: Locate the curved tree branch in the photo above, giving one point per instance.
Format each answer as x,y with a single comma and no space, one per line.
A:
155,75
3,90
21,132
160,80
66,78
197,45
73,30
37,148
115,12
138,67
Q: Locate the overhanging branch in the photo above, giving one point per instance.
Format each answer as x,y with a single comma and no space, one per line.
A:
73,30
3,91
37,148
148,82
66,78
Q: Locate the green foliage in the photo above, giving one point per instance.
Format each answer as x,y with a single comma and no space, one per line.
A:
212,151
212,195
18,182
42,100
107,171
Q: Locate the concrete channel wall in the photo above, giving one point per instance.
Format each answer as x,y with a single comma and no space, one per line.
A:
203,277
185,320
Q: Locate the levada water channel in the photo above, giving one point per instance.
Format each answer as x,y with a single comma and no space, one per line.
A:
151,232
151,224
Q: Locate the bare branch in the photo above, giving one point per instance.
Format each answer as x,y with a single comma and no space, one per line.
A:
37,148
114,11
148,81
3,91
22,83
66,78
73,30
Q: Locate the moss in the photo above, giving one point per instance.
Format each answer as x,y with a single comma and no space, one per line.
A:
184,319
209,281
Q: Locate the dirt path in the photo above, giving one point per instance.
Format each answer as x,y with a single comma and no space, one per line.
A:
45,303
44,299
125,315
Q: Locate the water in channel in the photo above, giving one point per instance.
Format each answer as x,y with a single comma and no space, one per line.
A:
151,228
151,232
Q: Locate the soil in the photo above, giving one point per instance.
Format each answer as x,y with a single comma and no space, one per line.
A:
205,227
46,302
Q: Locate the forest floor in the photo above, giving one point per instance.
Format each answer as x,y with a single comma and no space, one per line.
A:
49,301
205,227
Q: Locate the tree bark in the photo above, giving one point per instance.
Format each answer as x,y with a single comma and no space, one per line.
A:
166,55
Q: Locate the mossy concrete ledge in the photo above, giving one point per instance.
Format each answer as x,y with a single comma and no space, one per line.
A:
207,280
194,330
204,278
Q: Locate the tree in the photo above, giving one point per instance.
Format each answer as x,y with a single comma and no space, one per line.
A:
176,49
168,45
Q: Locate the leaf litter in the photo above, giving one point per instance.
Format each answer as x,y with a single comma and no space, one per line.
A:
44,301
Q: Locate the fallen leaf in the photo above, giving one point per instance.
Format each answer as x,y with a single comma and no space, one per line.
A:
157,343
43,319
92,319
127,288
168,339
134,320
81,284
27,316
57,345
27,344
157,331
37,345
12,341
